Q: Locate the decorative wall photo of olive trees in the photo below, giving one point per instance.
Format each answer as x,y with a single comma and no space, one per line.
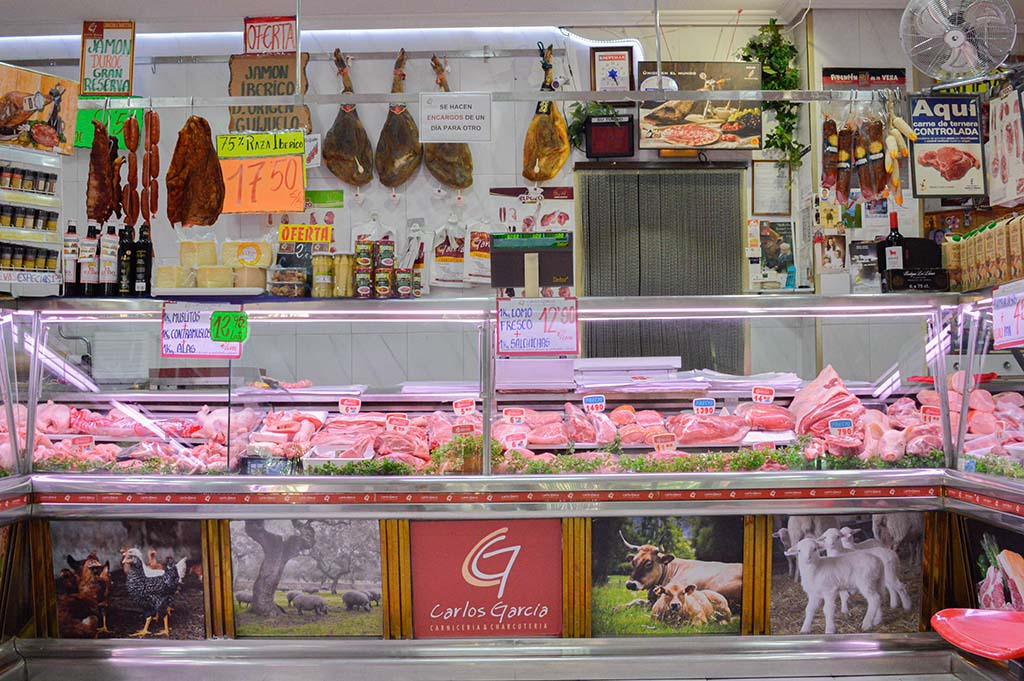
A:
307,578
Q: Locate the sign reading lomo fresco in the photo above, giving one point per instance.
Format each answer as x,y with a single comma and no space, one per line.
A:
947,157
486,578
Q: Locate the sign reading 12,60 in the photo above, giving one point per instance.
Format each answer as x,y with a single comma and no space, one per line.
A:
538,326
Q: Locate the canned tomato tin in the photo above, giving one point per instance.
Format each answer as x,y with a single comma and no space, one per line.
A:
364,282
403,282
385,253
364,254
417,283
383,278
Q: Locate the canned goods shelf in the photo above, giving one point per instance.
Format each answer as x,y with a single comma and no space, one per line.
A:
29,199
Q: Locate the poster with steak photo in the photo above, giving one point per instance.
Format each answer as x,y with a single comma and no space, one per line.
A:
846,574
307,578
997,566
129,578
947,158
711,124
666,576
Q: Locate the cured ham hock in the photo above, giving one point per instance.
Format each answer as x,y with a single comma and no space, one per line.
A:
451,163
195,183
547,140
347,150
399,151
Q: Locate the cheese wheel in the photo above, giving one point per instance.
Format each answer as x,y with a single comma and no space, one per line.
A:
251,277
215,276
197,254
175,276
246,253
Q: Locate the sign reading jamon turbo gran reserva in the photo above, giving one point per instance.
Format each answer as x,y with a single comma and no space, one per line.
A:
108,58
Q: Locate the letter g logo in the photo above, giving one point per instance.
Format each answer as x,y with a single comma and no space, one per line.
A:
471,571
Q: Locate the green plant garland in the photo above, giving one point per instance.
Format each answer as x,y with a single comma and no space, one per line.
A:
776,54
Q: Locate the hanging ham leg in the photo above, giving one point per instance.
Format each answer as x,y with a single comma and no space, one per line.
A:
547,140
347,150
399,151
451,163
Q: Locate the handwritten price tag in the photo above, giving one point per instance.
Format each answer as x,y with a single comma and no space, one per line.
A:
930,413
593,403
464,407
350,406
538,326
398,423
263,185
665,442
763,394
515,441
704,406
1008,316
229,327
462,429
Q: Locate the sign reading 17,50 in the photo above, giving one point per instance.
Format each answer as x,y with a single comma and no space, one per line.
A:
263,185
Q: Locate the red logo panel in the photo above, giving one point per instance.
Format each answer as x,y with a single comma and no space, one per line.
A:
484,578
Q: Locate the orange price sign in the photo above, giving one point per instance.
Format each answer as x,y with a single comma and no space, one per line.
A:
263,185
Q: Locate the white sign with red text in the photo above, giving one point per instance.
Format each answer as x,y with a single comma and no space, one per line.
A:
538,326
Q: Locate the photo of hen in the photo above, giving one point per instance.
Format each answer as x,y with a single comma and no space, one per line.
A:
139,579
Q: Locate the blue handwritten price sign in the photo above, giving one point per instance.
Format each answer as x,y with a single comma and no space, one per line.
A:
1008,316
538,326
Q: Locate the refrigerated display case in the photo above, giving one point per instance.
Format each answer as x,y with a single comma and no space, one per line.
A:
667,384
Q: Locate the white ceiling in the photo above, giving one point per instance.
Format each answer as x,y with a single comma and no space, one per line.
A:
60,17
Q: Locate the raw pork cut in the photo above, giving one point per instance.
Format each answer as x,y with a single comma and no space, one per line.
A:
770,417
991,594
549,434
580,427
604,428
691,429
623,415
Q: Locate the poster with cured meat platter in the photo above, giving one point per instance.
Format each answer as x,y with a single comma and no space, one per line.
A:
711,124
36,110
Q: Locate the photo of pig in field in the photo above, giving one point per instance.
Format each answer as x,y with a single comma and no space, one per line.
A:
307,578
666,576
846,574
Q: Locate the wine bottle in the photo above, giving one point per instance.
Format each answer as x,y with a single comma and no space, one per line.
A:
126,262
69,265
143,258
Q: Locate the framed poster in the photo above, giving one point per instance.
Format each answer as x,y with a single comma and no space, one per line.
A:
37,110
611,69
706,124
947,159
771,188
108,58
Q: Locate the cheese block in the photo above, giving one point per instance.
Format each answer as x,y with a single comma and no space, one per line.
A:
215,276
246,253
251,277
197,254
175,276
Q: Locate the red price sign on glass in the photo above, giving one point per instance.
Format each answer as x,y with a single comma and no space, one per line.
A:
1008,316
538,326
263,185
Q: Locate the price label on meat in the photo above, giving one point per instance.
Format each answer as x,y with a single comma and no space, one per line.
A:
593,403
841,427
538,326
349,406
1008,316
231,327
704,406
185,332
462,429
397,422
763,394
455,117
930,413
464,407
263,185
664,442
513,415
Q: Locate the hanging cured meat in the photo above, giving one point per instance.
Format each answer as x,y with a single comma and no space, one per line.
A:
347,150
195,183
451,163
130,191
399,151
547,140
99,197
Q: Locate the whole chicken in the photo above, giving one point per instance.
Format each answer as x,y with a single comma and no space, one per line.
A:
195,183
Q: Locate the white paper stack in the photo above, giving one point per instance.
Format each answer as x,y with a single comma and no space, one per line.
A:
541,375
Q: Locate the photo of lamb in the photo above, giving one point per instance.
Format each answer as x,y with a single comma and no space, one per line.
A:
307,578
666,576
846,574
997,566
129,579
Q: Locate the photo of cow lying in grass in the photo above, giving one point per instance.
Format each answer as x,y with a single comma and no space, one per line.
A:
685,574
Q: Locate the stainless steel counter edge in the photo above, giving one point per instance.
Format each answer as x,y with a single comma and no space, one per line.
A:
15,501
623,658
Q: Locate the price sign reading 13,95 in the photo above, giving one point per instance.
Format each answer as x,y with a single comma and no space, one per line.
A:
538,326
263,185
